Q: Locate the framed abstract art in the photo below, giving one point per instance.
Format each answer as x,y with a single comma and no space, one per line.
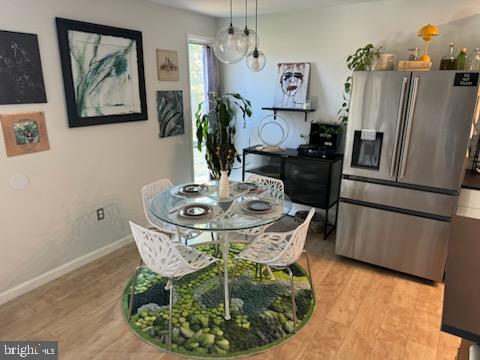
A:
170,113
103,73
21,76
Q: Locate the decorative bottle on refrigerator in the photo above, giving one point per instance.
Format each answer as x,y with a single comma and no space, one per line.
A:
474,63
448,61
461,60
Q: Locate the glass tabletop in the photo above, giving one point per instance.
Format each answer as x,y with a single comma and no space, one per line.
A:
191,206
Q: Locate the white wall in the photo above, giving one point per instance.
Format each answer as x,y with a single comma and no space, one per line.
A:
325,36
54,221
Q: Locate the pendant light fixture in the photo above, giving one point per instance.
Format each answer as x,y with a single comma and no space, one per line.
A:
230,44
256,59
249,33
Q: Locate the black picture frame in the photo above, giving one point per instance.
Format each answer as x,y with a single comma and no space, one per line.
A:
74,118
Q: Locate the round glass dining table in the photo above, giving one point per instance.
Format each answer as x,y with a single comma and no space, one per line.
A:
223,215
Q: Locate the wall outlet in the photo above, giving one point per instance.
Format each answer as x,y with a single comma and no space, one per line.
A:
100,214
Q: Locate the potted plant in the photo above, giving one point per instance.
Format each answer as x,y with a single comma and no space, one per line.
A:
216,130
360,60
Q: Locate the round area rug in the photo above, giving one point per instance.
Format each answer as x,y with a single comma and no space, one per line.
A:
261,310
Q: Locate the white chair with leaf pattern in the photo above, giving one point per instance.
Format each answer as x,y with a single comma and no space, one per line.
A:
148,192
279,250
275,191
168,259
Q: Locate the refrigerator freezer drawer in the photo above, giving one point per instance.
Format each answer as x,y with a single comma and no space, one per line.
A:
401,242
414,200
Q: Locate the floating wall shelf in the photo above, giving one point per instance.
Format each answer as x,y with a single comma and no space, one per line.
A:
277,109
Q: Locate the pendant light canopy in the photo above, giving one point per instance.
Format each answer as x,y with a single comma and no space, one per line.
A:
256,59
230,44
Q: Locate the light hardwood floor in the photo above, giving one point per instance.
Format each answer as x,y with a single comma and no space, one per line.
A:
363,312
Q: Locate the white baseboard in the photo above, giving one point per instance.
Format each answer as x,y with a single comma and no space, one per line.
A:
50,275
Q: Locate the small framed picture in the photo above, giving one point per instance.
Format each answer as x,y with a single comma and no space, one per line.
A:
24,133
167,65
170,113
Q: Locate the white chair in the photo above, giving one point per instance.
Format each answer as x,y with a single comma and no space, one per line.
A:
275,191
279,250
276,187
148,192
168,259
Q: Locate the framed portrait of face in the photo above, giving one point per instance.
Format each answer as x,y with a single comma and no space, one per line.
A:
24,133
291,90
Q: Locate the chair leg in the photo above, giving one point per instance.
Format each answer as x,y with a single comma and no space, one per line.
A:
233,278
309,273
270,273
294,306
170,306
132,290
215,246
219,268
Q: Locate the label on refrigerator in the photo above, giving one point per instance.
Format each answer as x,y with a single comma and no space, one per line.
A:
369,135
466,79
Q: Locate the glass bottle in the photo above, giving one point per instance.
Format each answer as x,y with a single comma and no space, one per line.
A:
448,61
461,60
474,63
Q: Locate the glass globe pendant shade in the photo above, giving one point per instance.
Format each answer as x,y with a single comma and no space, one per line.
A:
256,60
230,45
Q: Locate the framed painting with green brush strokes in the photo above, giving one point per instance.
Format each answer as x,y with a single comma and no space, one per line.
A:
103,73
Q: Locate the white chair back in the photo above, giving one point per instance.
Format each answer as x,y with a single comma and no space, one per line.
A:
275,185
296,243
149,191
157,251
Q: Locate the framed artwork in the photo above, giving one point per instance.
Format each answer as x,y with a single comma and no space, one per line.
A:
21,76
103,73
24,133
170,113
291,89
167,65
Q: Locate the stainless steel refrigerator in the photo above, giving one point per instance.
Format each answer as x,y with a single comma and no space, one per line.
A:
405,152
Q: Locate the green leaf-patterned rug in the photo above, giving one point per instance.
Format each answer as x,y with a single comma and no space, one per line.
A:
261,310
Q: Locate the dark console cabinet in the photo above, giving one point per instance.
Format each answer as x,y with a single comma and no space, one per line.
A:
308,181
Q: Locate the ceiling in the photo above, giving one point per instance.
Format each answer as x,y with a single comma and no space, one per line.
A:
220,8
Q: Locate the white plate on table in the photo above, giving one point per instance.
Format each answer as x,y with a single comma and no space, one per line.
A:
257,206
211,190
189,190
195,213
249,188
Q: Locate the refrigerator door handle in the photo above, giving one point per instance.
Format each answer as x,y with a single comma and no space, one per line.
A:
397,125
408,131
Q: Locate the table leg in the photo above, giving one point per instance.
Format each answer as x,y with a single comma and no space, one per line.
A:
226,247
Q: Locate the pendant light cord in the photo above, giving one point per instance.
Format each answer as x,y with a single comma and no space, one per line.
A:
256,23
246,15
231,17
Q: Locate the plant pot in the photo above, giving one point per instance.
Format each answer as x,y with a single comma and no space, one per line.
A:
223,185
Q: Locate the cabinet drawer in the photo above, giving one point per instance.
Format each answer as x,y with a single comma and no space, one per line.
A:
308,171
407,243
